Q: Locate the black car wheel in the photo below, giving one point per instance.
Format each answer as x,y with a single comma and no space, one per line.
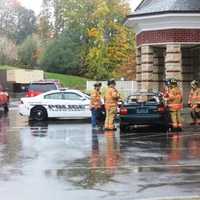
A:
165,128
38,113
123,128
161,128
6,109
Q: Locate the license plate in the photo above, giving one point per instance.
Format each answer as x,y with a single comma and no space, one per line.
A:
142,111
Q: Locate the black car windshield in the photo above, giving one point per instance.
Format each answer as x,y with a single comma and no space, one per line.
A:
143,98
44,87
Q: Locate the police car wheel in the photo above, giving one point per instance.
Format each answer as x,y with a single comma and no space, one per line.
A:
38,113
6,109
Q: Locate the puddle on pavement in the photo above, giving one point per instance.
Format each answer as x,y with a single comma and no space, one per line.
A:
71,154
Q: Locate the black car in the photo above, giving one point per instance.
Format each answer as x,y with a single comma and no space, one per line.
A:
144,109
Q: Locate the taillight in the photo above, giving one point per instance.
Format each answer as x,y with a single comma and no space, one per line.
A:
32,93
123,111
161,109
29,94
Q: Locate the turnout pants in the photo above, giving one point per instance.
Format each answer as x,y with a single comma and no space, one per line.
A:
195,115
176,120
110,118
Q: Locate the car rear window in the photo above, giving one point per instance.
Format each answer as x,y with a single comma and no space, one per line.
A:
143,98
44,87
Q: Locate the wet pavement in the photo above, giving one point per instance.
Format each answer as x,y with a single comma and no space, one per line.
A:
60,160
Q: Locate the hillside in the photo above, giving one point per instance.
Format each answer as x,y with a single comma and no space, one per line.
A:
67,81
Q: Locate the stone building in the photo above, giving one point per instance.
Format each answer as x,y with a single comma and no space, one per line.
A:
168,42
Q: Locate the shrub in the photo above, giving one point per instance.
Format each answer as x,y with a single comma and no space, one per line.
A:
8,51
27,52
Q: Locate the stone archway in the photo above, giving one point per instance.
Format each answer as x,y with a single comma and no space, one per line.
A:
156,63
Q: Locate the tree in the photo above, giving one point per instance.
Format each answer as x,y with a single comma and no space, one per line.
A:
73,20
100,23
16,22
105,44
111,43
53,11
63,54
8,51
121,53
27,52
26,24
44,30
97,60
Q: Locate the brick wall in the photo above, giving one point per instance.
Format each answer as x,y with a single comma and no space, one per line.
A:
166,36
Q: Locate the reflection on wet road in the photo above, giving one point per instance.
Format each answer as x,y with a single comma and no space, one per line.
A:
61,160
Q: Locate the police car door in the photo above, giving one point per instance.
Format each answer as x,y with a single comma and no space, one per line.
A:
55,104
77,107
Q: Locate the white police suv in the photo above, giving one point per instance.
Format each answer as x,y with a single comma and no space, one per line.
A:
65,103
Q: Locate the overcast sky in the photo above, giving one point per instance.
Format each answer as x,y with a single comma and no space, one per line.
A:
36,4
134,3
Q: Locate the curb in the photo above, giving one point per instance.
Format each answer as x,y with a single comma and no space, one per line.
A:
175,198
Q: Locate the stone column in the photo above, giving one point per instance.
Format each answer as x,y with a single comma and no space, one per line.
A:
196,63
156,70
146,68
187,69
138,68
173,63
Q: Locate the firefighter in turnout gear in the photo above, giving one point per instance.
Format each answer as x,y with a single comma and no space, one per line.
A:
95,104
194,102
175,104
112,97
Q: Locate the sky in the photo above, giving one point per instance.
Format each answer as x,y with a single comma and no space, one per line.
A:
134,3
36,4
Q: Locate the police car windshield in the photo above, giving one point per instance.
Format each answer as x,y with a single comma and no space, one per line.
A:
86,95
42,87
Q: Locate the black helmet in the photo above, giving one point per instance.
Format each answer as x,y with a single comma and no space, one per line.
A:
194,83
173,81
111,82
97,84
168,82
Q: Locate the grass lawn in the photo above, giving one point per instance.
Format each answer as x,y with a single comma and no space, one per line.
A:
7,67
68,81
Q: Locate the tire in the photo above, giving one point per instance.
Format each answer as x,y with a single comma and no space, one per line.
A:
38,113
6,109
123,128
165,129
162,128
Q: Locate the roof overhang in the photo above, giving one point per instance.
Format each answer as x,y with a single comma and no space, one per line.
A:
164,12
162,21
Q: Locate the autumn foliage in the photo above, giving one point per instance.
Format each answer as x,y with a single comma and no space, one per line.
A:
79,37
111,44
